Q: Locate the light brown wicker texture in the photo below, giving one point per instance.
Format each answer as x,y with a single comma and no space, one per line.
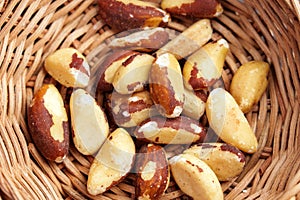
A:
256,30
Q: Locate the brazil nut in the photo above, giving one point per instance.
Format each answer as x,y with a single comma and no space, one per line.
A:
153,173
224,159
166,85
48,123
228,121
133,74
204,67
131,110
69,67
195,178
180,130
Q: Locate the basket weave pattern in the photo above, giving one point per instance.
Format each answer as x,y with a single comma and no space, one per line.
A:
257,30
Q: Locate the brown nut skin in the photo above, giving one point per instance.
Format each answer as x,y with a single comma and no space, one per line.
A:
130,14
224,159
108,68
195,8
166,85
145,39
180,130
153,174
48,123
131,110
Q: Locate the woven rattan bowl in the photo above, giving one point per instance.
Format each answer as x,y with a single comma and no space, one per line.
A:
256,30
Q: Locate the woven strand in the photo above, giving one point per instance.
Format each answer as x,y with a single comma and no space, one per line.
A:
255,30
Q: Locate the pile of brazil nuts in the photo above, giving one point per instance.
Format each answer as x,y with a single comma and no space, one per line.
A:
156,90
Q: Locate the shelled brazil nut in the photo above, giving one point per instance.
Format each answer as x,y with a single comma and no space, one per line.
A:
196,8
88,121
195,178
69,67
112,163
152,171
249,83
194,103
48,123
228,121
130,14
204,32
179,130
166,85
205,66
225,160
107,69
133,73
130,110
144,39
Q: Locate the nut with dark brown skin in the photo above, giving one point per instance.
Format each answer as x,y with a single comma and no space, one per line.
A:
48,123
146,39
180,130
166,85
131,110
130,14
193,8
109,66
153,174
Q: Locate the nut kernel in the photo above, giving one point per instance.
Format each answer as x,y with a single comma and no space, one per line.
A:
69,67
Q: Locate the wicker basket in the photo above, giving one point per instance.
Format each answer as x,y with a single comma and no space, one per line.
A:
259,30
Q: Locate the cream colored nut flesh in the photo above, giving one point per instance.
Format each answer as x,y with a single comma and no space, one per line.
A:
249,83
228,121
166,85
112,163
48,123
88,121
133,74
153,174
193,37
193,106
225,160
195,178
180,130
69,67
205,66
